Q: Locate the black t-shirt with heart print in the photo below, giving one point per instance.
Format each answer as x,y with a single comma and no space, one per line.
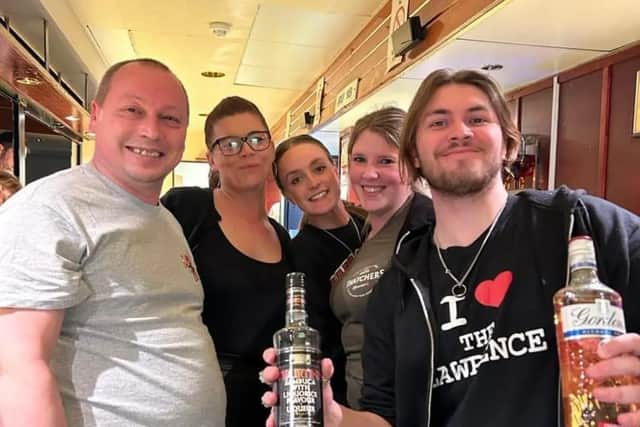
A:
502,327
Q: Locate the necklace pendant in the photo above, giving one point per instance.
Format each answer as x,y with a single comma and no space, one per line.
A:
459,290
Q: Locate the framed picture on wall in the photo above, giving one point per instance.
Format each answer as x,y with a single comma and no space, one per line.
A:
636,108
343,162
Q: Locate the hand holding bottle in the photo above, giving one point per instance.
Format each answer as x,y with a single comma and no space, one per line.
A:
599,366
332,410
619,359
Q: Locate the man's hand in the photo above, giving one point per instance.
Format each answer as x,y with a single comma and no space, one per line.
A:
270,374
620,357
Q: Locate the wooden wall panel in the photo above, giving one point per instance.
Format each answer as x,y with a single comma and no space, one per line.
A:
365,57
535,118
578,132
623,171
595,148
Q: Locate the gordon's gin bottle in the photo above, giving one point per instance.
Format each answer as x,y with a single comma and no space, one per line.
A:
586,312
297,346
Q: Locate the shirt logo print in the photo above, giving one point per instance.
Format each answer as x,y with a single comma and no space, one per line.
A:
187,262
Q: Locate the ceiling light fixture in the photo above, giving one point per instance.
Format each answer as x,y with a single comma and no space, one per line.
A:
213,74
72,118
492,67
219,29
28,81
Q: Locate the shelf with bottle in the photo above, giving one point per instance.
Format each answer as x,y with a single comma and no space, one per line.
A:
521,173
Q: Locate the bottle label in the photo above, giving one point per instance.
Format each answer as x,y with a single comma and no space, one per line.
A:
299,389
599,319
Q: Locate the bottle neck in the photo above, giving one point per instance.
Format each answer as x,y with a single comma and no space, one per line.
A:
583,274
582,261
296,313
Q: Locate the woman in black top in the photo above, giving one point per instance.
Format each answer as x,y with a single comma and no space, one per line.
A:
240,253
330,233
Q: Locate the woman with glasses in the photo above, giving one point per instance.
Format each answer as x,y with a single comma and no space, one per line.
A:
241,254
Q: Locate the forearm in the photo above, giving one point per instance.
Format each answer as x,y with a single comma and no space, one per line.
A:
29,396
351,418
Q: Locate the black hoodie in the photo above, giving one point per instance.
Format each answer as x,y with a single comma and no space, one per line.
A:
400,328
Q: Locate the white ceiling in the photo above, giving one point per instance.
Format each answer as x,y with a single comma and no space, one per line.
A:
532,39
274,50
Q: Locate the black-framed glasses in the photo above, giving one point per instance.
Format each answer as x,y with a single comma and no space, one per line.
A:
232,145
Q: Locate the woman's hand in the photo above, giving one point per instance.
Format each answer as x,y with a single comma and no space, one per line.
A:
270,374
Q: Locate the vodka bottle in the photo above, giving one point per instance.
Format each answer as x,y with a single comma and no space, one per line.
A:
299,387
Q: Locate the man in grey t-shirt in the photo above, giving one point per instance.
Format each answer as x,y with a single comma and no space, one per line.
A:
100,300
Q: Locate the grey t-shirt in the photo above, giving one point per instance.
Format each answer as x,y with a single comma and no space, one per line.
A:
350,295
132,349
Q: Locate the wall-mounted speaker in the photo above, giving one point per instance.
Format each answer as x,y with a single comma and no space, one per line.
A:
407,36
308,118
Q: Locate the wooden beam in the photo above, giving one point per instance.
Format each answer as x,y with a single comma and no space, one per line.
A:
603,137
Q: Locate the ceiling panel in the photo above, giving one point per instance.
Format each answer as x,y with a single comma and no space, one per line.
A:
198,52
288,44
264,53
351,7
294,25
103,13
114,44
582,24
522,64
280,78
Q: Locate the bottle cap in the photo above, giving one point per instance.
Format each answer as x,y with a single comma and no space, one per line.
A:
582,253
294,279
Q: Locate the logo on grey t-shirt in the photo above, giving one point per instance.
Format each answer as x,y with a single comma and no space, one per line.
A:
187,263
362,282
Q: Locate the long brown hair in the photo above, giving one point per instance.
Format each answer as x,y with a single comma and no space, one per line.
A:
229,106
427,90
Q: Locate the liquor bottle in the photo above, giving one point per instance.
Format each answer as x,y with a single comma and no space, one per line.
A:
586,312
299,387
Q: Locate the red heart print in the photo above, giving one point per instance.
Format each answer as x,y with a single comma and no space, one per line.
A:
491,292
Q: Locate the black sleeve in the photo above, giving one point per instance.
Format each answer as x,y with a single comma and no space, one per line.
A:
190,206
378,352
616,234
